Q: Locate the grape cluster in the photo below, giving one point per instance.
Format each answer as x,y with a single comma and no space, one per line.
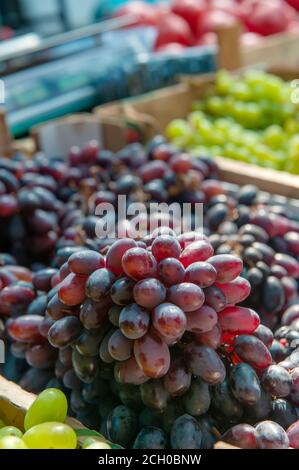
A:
252,118
154,339
153,318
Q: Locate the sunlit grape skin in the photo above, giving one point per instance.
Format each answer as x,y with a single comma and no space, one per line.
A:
252,351
165,246
49,406
25,329
51,436
152,355
72,290
228,267
199,250
85,262
169,320
238,320
115,254
139,264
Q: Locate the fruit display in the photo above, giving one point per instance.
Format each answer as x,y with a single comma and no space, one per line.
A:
169,339
45,427
186,23
252,118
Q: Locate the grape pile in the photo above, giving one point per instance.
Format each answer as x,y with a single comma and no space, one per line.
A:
155,339
253,118
45,427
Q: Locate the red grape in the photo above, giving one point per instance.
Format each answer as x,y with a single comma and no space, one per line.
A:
166,246
115,254
293,435
238,320
210,338
228,267
199,250
64,332
122,291
253,351
241,435
169,320
120,347
25,329
171,271
71,291
86,262
178,379
201,273
99,284
134,321
202,320
149,293
128,372
139,263
189,297
235,291
152,355
205,363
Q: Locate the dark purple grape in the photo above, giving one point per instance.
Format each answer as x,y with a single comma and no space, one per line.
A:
64,332
149,293
277,381
122,291
241,435
99,284
205,363
186,433
134,321
245,384
150,438
270,435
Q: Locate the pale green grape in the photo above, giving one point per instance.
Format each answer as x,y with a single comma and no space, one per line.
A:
49,406
177,128
93,443
12,442
51,436
98,445
10,431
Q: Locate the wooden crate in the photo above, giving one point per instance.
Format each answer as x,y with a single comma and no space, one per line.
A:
14,402
151,113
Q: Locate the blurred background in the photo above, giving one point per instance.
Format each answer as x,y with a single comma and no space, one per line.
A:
66,56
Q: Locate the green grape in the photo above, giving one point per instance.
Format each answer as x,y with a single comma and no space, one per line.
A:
241,91
49,406
98,445
177,128
224,82
12,442
51,436
92,443
10,431
2,424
